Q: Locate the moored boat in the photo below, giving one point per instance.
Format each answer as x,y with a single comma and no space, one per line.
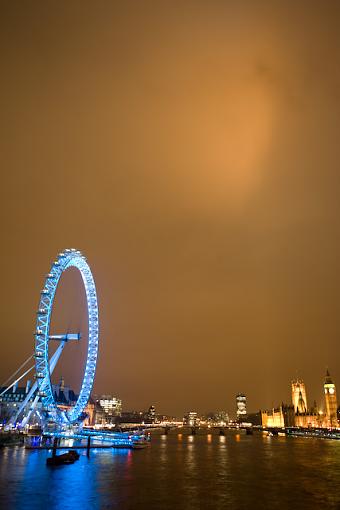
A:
65,458
320,433
138,444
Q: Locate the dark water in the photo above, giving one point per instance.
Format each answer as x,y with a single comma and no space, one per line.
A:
180,472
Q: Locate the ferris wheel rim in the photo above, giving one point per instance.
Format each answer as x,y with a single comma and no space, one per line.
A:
66,259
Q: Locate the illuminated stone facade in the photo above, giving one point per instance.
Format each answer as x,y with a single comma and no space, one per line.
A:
308,420
272,418
298,414
299,397
278,417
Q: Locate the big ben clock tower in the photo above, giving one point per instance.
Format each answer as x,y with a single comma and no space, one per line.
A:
331,401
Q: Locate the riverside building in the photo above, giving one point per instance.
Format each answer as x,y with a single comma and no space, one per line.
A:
299,415
108,408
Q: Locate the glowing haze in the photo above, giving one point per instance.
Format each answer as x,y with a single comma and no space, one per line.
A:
190,150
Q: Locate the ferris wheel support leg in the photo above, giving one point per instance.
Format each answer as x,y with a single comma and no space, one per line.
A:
16,381
16,372
53,362
31,409
23,405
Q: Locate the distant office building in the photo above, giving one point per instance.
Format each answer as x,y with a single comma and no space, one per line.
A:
241,406
108,408
111,405
132,417
331,400
254,418
191,419
221,417
299,398
151,415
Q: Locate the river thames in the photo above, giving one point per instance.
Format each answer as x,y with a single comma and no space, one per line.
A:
180,472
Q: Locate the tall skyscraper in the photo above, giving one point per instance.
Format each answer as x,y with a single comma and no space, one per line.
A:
151,414
331,400
241,406
299,398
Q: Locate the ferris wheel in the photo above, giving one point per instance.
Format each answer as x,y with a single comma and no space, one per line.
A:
45,365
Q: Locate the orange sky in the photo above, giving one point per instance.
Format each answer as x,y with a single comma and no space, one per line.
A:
190,150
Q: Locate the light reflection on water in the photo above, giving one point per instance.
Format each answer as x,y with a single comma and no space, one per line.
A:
182,473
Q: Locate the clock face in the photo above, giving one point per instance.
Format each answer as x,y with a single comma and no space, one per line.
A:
331,390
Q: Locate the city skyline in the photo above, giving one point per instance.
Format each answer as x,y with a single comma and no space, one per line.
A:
190,150
298,400
241,405
105,409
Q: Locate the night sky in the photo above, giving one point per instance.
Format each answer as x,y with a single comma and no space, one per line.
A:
191,150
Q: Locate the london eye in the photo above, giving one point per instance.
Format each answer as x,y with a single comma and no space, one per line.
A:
44,365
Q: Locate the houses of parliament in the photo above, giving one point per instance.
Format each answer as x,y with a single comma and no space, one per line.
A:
298,414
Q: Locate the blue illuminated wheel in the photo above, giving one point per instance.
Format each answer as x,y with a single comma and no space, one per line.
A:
68,258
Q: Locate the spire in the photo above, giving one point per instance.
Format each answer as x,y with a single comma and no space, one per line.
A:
328,379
